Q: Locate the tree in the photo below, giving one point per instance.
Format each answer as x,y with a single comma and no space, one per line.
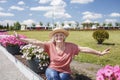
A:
48,24
88,25
17,26
1,26
70,24
7,26
77,25
117,24
110,25
33,24
55,24
84,25
104,24
41,24
62,24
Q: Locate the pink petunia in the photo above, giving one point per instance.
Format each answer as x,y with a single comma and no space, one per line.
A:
100,72
108,71
116,69
11,40
100,77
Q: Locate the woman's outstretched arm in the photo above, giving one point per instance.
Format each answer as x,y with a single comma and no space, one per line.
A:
31,41
93,51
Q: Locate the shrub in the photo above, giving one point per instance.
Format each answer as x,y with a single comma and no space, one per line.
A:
100,36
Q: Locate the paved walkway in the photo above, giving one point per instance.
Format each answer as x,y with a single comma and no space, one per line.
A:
87,69
8,71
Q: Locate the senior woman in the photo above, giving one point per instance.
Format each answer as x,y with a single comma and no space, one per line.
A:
61,53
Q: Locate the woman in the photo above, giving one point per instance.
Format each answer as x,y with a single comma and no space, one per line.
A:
61,53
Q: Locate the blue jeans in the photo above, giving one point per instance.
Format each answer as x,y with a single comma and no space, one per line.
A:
52,74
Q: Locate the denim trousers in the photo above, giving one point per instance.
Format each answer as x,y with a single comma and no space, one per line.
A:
52,74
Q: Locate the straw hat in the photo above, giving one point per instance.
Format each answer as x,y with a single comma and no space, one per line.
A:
58,30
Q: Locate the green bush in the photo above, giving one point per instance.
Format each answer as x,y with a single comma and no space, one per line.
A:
100,36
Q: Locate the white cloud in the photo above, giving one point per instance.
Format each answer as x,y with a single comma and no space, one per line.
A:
21,3
50,14
115,15
3,14
67,22
17,8
56,9
58,3
41,8
81,1
110,20
53,2
44,1
90,15
28,22
10,22
1,8
87,21
3,1
49,9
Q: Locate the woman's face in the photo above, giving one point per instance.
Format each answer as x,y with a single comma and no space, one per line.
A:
59,37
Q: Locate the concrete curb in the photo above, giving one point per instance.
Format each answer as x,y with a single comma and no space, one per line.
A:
24,69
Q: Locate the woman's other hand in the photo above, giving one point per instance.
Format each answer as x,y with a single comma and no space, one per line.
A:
104,52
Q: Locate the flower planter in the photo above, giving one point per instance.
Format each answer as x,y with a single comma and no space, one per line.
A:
33,64
13,49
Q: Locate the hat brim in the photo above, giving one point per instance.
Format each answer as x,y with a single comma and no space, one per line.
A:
65,32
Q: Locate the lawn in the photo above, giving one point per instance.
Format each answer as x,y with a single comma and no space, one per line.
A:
84,38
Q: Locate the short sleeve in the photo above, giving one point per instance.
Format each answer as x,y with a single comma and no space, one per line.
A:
75,49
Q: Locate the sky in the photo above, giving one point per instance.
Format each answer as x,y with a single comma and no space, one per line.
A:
59,11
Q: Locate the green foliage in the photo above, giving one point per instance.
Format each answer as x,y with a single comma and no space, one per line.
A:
100,36
17,26
1,26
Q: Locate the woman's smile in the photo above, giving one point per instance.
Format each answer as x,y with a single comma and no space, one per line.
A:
59,37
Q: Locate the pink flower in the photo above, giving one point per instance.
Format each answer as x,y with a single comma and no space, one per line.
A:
100,77
118,78
116,68
11,41
108,73
100,72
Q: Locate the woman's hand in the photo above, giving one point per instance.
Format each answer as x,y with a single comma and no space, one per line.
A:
16,35
104,52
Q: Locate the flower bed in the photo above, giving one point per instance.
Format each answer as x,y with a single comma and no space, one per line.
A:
24,61
36,58
109,73
11,40
11,43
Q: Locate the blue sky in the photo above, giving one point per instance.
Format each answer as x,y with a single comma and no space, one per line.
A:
35,11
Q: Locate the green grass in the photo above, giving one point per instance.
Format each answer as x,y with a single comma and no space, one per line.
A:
84,38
